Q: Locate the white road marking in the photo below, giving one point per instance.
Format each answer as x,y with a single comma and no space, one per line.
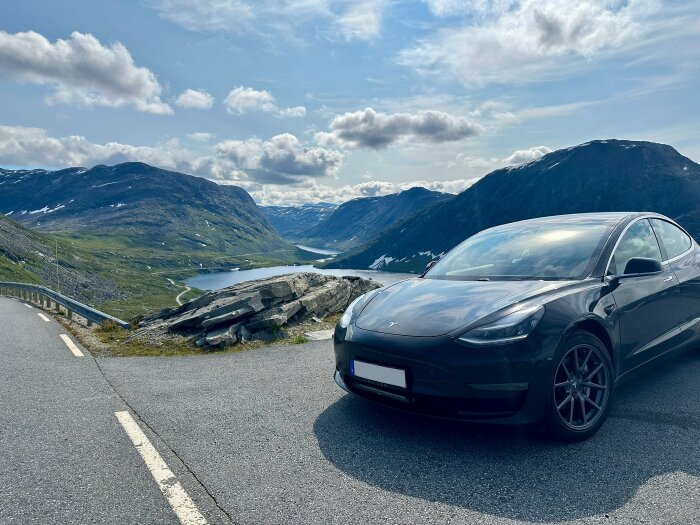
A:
30,307
320,335
71,345
183,506
44,317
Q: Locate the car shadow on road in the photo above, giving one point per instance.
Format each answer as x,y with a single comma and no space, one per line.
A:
510,473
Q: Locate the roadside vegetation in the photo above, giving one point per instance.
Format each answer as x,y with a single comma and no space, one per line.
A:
110,340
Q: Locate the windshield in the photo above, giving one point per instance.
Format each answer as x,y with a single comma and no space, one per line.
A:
527,250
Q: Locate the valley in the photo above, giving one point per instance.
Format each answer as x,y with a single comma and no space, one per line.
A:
129,238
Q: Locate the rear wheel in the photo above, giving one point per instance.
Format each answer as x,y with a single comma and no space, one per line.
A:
580,388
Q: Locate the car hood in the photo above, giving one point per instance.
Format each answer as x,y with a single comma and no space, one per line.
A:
432,307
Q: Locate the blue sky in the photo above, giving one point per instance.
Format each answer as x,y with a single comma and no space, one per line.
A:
326,100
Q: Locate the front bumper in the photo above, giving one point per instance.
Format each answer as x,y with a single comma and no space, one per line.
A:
446,379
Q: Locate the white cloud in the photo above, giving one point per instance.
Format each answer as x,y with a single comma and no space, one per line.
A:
335,19
195,99
445,8
524,156
312,191
207,16
201,136
279,160
372,129
525,41
23,146
244,99
81,71
362,20
296,111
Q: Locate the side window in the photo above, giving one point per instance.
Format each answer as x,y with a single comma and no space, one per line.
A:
673,239
639,241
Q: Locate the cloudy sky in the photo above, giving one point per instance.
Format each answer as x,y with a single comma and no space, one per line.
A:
326,100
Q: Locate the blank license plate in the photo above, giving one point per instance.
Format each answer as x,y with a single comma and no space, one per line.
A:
381,374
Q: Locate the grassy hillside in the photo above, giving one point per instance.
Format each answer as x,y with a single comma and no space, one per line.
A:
112,273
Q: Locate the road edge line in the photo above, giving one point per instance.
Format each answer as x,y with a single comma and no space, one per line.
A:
181,503
71,345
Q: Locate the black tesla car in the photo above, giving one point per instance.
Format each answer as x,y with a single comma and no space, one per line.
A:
531,323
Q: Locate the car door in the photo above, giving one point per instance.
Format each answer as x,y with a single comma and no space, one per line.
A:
681,254
646,304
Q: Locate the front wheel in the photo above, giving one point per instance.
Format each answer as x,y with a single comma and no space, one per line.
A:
580,388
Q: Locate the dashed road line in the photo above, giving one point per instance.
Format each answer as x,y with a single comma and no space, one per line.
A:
44,317
71,345
181,503
28,306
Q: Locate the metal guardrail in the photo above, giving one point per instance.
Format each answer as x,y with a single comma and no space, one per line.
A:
44,297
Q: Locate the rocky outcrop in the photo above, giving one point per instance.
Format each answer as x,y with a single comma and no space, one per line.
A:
253,309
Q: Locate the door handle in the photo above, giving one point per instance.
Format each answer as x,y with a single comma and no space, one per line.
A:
668,278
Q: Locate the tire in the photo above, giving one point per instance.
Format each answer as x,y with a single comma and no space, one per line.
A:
580,388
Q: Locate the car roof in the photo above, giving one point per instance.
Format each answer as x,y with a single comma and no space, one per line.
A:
611,218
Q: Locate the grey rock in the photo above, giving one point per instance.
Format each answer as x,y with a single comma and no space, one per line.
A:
276,316
223,336
227,318
244,334
247,310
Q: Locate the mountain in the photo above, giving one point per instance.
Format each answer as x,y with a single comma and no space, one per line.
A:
130,228
602,175
292,221
173,220
359,220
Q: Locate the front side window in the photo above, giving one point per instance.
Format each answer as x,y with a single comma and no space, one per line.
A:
638,241
674,240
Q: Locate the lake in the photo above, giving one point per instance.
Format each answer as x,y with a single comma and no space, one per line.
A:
217,280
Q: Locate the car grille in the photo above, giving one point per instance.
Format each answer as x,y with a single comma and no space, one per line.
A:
449,407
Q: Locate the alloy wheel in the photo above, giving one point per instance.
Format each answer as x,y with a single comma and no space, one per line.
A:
581,387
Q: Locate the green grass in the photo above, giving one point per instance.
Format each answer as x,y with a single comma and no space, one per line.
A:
298,339
16,272
115,338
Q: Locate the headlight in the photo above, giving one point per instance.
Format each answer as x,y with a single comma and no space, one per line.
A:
508,329
347,316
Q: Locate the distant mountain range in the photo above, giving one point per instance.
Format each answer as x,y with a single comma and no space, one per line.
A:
602,175
352,223
292,221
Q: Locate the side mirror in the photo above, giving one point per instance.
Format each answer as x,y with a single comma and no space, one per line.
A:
637,265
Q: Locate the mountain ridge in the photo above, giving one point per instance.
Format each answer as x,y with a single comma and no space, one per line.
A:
357,221
601,175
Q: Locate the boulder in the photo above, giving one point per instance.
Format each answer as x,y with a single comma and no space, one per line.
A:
250,310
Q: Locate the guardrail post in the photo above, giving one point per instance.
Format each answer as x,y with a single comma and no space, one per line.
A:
89,323
70,315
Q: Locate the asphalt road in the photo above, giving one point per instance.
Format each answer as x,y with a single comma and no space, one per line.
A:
265,436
